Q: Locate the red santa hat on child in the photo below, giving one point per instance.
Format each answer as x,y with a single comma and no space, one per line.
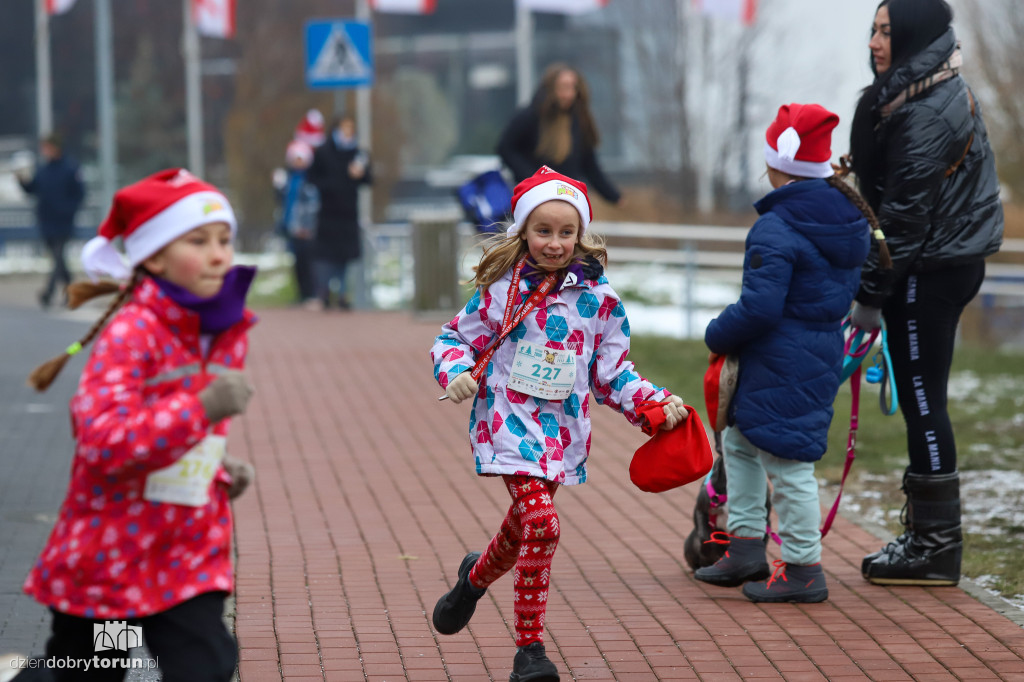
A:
547,185
311,128
151,214
799,140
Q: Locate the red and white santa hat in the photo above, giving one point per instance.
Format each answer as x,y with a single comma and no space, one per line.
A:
311,128
548,185
799,140
148,216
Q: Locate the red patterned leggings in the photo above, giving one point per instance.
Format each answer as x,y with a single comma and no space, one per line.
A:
527,541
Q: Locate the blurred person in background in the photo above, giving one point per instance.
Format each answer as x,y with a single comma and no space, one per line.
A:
300,206
299,203
557,130
298,217
922,159
59,191
339,167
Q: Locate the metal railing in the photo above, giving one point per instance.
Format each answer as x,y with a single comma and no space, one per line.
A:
706,251
698,251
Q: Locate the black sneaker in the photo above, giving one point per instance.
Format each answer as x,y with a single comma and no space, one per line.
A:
453,611
744,560
532,664
790,583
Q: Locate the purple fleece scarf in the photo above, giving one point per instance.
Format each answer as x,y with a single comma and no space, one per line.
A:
221,310
535,275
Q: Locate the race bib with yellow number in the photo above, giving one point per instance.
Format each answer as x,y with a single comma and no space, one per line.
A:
543,372
187,481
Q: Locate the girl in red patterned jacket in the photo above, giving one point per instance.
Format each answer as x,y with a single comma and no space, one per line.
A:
143,536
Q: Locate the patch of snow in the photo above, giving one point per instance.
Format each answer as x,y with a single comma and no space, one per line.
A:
966,387
993,501
987,582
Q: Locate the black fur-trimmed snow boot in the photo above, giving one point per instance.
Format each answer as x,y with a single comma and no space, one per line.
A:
932,545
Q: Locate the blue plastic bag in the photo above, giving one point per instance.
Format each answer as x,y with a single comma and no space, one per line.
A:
487,200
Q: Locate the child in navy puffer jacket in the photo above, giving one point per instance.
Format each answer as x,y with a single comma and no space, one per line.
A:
801,271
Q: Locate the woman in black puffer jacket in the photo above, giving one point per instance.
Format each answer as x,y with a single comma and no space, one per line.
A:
922,159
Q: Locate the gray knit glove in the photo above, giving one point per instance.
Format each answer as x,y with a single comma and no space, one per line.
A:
866,317
226,396
242,474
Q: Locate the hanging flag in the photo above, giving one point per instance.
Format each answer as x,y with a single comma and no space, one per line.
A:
404,6
562,6
59,6
214,18
744,10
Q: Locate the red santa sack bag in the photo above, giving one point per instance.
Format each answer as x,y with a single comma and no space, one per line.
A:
670,458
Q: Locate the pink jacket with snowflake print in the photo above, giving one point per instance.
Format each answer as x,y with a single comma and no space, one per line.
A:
112,554
514,433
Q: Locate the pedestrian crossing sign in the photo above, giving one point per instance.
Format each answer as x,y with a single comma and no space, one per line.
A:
339,54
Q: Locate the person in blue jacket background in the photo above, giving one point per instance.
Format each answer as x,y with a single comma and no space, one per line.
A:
59,191
801,271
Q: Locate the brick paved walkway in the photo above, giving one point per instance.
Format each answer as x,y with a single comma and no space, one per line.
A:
366,502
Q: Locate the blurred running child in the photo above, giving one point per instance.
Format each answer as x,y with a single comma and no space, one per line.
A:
144,534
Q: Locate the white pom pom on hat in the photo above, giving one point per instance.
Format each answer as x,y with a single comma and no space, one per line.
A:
150,214
311,128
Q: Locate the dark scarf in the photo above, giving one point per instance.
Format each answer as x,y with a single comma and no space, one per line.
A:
223,309
571,275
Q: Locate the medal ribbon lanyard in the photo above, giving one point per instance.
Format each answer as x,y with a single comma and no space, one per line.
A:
510,321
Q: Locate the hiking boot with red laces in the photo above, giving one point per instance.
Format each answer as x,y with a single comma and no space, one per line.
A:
744,560
790,583
453,611
532,664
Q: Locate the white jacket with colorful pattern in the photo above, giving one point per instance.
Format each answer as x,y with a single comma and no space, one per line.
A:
514,433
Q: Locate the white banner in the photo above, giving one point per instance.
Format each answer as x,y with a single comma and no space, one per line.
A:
59,6
562,6
214,18
404,6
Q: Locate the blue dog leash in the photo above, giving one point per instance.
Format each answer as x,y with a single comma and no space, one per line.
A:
881,373
856,350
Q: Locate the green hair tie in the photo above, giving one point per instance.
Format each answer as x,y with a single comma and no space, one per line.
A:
73,348
879,235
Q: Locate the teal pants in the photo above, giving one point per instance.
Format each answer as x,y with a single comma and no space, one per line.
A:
748,469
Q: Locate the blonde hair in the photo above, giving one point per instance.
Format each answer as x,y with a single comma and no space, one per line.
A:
78,293
503,250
